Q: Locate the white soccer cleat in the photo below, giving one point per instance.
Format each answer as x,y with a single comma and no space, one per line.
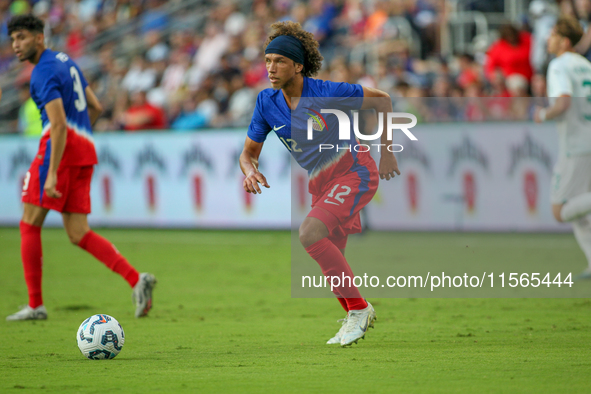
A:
337,338
28,313
142,294
358,322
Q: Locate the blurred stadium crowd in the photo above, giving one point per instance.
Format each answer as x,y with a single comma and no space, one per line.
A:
189,64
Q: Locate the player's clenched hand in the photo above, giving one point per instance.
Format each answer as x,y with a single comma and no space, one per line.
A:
251,182
50,186
388,166
537,115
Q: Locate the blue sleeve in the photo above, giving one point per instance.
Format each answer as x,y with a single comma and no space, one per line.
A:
46,87
350,95
258,128
344,89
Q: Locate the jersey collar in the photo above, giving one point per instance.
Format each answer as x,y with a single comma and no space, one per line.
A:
304,94
44,53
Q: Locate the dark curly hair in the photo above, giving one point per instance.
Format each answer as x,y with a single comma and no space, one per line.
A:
26,22
312,57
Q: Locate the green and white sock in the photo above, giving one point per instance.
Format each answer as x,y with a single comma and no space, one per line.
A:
582,230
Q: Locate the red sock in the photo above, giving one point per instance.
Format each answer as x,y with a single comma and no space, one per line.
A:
32,257
106,253
356,303
333,263
343,303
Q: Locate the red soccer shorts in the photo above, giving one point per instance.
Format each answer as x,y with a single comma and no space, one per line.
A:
344,197
72,181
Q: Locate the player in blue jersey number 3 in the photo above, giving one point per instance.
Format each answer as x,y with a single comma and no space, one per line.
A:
59,177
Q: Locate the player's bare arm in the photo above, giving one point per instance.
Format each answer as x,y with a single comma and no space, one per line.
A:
249,164
388,167
95,109
58,132
560,106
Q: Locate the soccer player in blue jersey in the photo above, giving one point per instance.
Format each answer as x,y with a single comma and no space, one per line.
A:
341,181
60,175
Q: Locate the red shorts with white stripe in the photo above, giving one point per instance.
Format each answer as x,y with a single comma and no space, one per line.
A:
73,175
73,182
344,197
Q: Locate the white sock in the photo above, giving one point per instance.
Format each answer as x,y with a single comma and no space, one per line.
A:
576,207
582,229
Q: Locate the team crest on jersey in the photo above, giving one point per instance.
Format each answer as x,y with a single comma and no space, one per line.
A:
318,122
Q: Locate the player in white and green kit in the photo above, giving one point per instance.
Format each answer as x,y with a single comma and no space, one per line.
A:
569,93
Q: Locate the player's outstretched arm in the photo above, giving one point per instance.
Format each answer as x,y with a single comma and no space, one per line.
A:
58,133
561,105
381,102
95,109
249,164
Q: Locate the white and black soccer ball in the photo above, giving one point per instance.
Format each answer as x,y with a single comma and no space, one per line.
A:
100,337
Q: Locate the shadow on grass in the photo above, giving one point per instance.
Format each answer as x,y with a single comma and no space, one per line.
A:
75,308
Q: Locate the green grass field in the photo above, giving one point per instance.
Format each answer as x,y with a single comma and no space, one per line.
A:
224,321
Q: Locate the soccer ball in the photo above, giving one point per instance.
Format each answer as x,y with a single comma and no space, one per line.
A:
100,337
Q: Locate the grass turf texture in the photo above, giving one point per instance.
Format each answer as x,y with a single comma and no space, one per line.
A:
224,321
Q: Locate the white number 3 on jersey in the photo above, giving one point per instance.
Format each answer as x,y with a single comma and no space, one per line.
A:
80,102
